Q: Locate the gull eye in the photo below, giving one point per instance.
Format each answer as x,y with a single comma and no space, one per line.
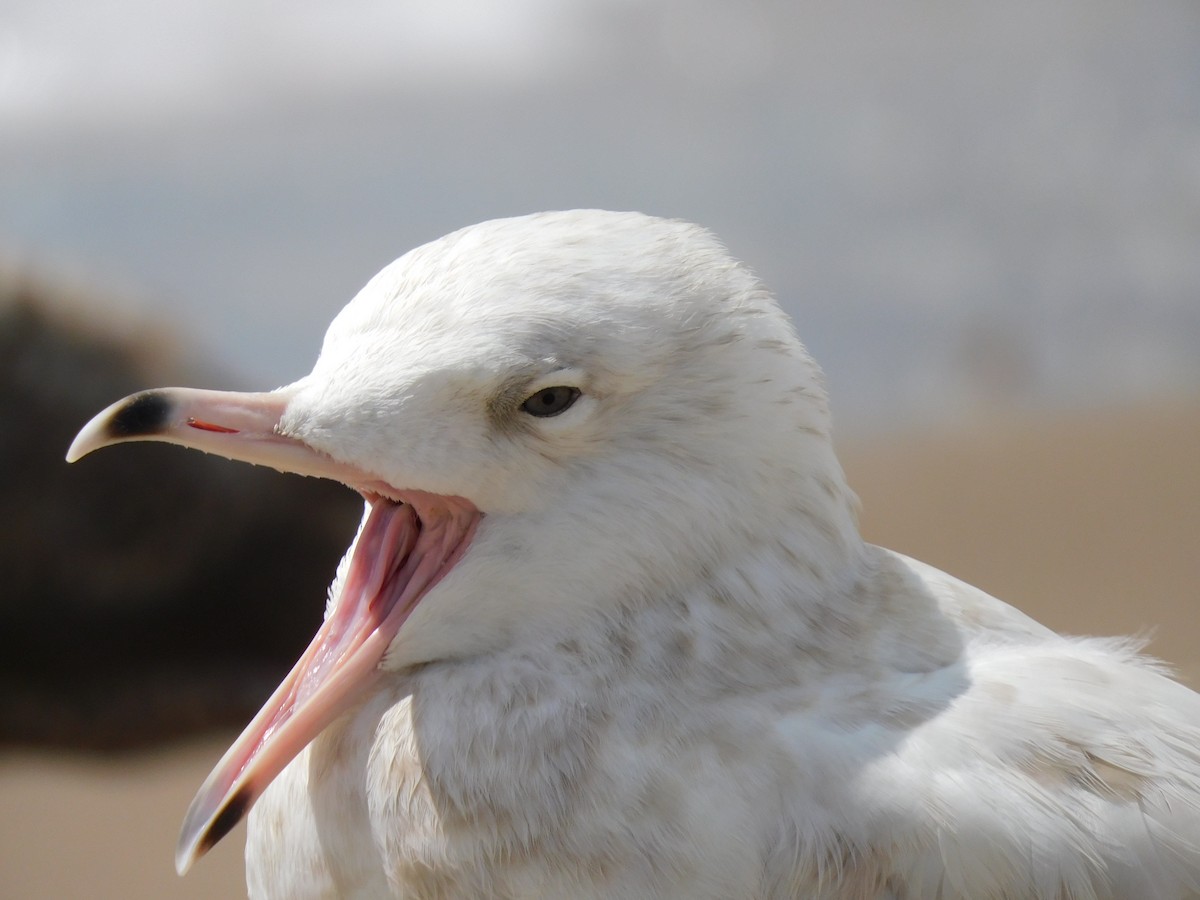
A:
550,401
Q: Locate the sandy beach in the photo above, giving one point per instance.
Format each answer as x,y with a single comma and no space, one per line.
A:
1090,522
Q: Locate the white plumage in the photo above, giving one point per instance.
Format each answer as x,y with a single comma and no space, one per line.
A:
651,656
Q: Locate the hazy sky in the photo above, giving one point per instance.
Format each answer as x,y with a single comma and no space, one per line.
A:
130,63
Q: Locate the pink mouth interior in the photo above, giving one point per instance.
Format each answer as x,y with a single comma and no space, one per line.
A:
374,585
403,549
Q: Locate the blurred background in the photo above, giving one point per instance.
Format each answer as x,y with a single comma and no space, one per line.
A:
984,218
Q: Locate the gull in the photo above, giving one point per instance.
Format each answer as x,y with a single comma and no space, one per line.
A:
608,628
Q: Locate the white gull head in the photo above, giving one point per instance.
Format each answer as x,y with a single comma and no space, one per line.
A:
586,380
608,628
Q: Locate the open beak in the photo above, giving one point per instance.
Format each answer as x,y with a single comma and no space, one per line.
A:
408,541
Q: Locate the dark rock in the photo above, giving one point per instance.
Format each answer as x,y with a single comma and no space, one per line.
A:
149,592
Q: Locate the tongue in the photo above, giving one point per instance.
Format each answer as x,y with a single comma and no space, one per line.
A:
395,560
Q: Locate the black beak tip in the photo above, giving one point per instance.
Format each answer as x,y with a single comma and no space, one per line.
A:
233,812
146,413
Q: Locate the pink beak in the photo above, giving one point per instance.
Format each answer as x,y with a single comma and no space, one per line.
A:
403,549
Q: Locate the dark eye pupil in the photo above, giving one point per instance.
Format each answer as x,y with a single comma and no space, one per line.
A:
550,401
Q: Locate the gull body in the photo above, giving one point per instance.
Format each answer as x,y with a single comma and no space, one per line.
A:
645,652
